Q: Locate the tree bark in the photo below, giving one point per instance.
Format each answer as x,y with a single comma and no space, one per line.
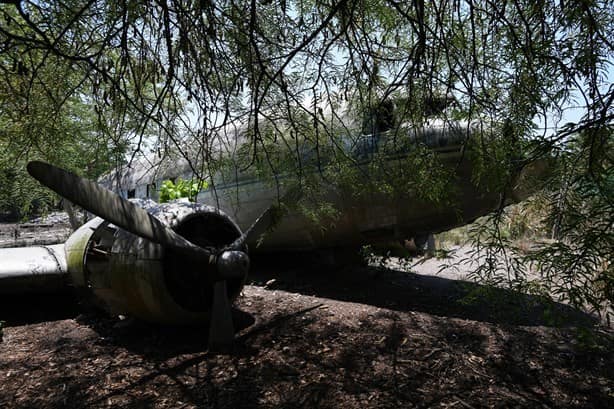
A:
75,223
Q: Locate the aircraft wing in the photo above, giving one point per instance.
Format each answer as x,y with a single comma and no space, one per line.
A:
33,269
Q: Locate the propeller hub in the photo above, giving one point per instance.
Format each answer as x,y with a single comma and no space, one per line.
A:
232,264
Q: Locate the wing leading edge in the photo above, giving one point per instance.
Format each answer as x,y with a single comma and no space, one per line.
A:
33,269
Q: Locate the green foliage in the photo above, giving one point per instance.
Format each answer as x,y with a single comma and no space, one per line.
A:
181,189
50,109
44,116
578,266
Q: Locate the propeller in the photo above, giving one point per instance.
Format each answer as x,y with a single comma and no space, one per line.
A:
113,208
257,228
231,261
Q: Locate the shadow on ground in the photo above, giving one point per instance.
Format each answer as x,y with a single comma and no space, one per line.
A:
158,341
20,309
297,360
385,288
403,291
308,353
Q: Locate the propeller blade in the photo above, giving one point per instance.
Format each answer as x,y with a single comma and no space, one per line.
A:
264,221
258,227
111,207
221,328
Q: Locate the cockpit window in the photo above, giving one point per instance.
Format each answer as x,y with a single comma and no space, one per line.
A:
380,118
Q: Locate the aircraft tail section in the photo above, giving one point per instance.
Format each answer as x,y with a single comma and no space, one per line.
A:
33,269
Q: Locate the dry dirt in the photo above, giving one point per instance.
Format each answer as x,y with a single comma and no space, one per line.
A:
352,338
39,232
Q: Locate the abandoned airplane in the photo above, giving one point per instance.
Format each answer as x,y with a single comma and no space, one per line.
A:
184,262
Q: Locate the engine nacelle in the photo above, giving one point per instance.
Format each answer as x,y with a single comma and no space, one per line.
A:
131,275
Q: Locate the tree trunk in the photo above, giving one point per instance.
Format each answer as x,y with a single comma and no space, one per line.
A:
75,223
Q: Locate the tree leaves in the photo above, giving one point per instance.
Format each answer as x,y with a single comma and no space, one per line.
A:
181,189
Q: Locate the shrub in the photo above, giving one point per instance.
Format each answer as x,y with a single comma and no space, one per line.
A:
181,188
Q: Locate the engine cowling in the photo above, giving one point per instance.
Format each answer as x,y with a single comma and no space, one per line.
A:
131,275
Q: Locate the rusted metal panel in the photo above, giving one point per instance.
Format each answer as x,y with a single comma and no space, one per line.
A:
33,269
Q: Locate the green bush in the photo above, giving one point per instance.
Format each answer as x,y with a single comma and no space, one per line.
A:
181,188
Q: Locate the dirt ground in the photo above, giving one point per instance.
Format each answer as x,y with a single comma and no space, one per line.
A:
309,337
30,234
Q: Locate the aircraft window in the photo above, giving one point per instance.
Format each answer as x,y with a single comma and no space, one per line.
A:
365,146
395,143
380,118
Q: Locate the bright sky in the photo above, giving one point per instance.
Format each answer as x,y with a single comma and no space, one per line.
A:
574,111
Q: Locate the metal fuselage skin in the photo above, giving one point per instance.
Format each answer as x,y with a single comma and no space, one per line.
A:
370,219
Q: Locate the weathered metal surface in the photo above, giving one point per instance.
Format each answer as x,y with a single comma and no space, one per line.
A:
108,205
33,269
371,219
132,275
75,248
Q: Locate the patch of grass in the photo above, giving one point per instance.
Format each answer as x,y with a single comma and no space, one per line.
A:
454,237
523,224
